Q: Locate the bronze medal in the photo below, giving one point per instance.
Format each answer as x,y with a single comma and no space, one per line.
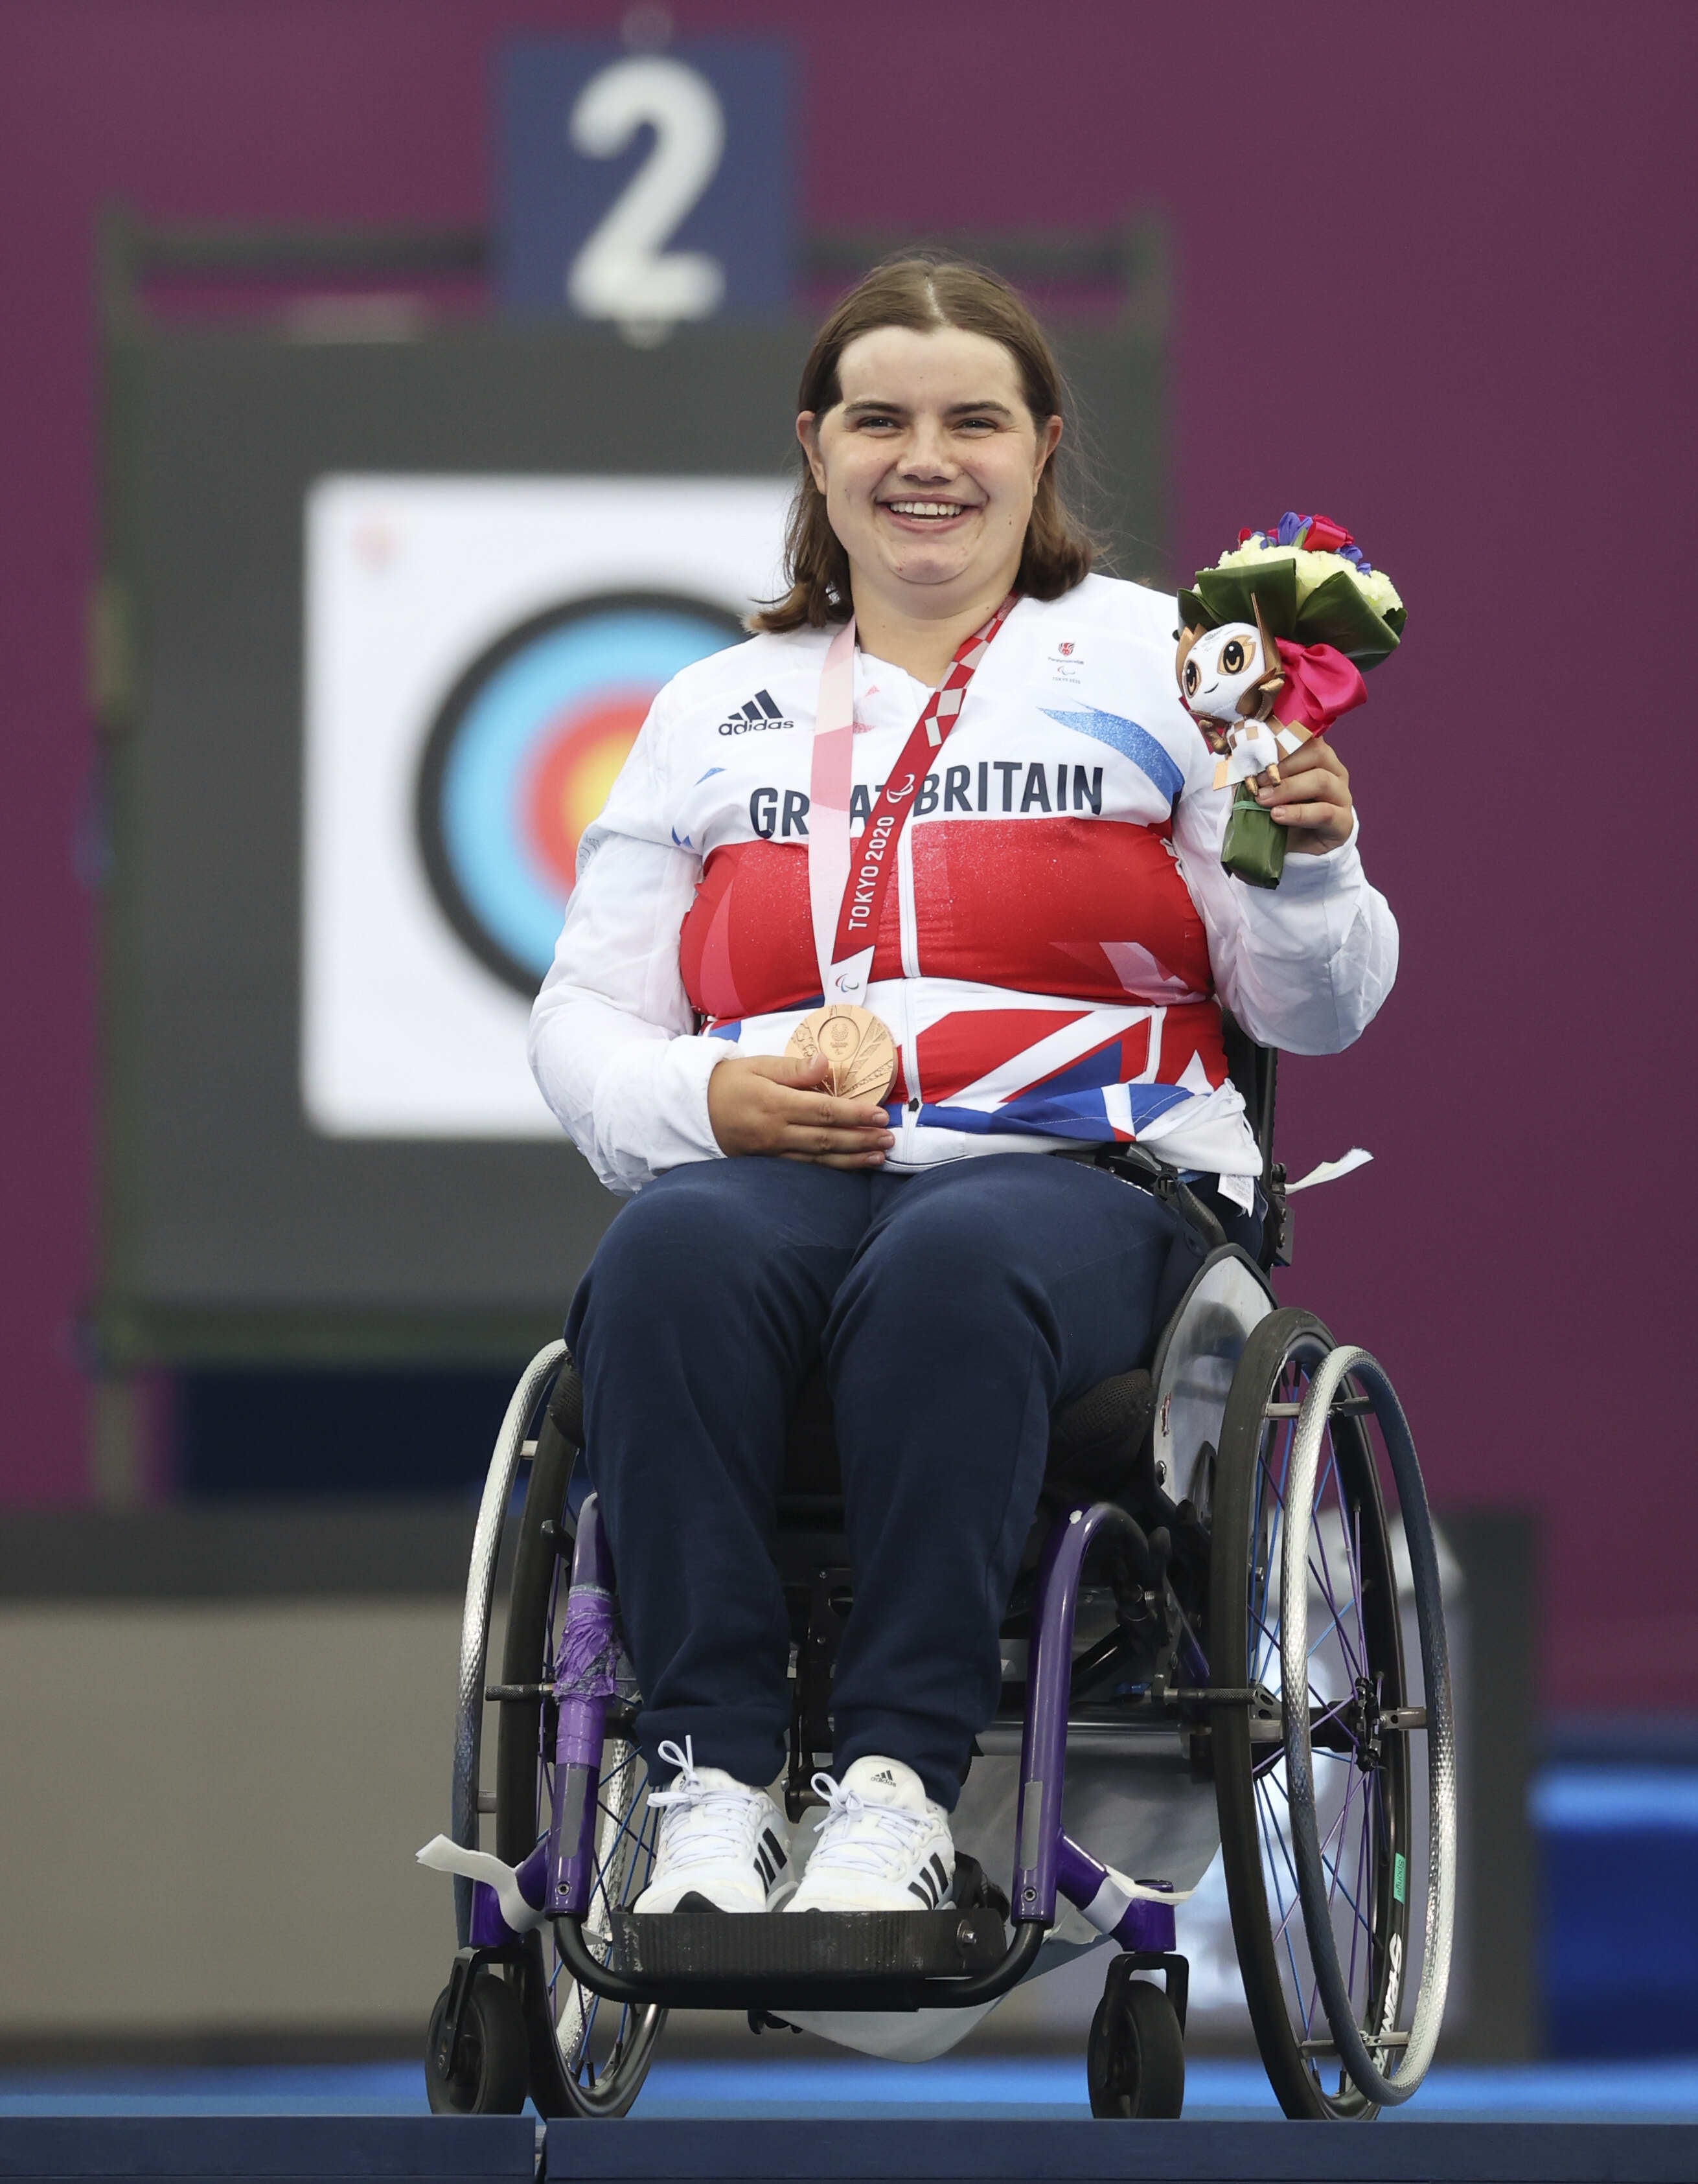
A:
858,1048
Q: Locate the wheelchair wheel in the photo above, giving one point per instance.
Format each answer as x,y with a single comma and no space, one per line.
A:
491,2070
588,2057
1135,2060
1313,1775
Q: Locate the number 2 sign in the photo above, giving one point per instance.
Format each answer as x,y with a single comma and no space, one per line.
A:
644,188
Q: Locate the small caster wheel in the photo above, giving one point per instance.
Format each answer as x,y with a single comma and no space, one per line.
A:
491,2073
1135,2062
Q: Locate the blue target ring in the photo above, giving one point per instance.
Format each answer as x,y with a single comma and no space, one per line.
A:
522,753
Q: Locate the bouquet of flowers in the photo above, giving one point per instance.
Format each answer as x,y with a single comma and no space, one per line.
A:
1274,640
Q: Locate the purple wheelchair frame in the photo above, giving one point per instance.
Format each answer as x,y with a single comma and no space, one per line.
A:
558,1876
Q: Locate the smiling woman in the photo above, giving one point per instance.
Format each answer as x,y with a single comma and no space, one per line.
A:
930,407
822,994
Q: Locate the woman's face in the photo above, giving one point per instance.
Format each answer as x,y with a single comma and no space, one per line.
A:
927,464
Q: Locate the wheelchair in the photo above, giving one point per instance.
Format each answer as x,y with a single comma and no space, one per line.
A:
1204,1651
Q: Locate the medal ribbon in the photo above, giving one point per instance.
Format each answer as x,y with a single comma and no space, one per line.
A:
847,884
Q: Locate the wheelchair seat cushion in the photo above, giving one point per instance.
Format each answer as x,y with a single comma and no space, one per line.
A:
1094,1440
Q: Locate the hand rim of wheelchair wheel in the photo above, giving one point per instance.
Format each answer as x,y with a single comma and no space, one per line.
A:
534,1385
1355,2052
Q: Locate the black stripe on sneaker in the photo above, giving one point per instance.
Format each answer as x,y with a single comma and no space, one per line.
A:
764,1863
937,1868
923,1894
775,1850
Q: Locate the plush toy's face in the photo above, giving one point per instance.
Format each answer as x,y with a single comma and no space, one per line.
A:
1223,666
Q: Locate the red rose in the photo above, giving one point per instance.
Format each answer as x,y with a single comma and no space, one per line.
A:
1326,537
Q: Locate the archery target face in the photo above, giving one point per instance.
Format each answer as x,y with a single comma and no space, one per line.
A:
480,655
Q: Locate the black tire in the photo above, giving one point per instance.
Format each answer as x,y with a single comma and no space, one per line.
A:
491,2058
587,2058
1291,2027
1135,2060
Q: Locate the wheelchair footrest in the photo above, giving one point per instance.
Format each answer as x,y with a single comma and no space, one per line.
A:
947,1944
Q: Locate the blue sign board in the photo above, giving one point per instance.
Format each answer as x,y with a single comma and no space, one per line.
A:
646,189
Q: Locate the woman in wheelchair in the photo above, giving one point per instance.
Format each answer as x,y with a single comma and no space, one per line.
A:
947,783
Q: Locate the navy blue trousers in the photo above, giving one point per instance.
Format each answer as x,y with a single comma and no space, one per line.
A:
954,1310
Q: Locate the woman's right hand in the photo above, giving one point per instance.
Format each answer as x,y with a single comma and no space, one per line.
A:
768,1103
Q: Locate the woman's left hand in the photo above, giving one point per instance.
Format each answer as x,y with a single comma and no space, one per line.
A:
1312,798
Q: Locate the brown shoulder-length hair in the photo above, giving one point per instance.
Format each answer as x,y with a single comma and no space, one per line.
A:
919,293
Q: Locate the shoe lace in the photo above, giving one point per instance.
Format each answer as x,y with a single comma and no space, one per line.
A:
858,1834
703,1821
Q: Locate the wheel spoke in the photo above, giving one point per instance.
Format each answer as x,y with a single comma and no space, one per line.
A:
1336,1828
1335,1629
1290,1909
1335,1887
622,1831
1285,1934
1332,1631
1334,1712
1271,1823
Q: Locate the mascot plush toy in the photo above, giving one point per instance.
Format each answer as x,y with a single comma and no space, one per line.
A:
1275,638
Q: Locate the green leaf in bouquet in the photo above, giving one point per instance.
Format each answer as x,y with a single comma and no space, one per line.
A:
1395,618
1227,593
1253,847
1192,613
1336,613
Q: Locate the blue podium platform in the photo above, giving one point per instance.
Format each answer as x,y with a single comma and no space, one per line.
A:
280,2149
882,2153
340,2150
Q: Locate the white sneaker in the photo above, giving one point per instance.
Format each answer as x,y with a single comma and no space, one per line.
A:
723,1846
883,1845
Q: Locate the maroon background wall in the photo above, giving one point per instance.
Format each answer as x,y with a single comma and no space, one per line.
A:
1433,277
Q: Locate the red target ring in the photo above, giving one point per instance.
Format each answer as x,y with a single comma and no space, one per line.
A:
576,761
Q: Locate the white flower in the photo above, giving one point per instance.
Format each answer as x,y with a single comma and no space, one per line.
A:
1313,570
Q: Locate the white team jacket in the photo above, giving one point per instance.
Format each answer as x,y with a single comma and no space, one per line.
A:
1052,953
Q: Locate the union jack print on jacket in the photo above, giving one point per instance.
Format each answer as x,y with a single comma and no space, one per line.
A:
1053,958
